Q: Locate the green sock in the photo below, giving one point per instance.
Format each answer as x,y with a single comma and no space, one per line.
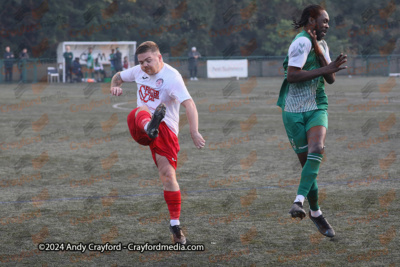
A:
313,196
309,173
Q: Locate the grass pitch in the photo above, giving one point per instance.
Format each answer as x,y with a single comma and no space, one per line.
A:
71,173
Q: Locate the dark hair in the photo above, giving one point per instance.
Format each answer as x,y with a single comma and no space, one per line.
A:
312,11
146,47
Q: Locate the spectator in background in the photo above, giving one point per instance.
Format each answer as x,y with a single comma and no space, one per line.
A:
193,56
98,69
8,63
68,56
126,63
118,60
23,57
112,62
77,69
89,63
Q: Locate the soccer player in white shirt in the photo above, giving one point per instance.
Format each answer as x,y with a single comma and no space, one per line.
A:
155,122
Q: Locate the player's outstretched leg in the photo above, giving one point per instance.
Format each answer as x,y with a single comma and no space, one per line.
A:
323,226
159,114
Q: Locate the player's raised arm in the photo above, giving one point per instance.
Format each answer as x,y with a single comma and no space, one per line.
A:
193,119
116,83
295,74
341,59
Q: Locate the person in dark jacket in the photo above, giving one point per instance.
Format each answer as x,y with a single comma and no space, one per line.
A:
77,69
118,61
23,57
193,56
112,62
8,63
68,56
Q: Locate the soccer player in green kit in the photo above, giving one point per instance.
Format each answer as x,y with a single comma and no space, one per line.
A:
304,106
90,63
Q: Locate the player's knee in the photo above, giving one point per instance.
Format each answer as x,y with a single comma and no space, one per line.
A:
168,178
316,148
141,109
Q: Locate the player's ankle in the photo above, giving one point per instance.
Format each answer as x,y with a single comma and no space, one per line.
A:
175,222
299,198
316,213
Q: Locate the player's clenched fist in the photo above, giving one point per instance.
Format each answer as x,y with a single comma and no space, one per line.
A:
116,91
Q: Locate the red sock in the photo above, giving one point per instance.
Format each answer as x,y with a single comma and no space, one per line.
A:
173,199
142,118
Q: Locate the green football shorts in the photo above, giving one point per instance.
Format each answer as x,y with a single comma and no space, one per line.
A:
297,125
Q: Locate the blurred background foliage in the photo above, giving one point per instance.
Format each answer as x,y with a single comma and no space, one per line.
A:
217,28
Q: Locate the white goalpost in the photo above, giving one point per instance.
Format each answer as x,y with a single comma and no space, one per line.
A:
100,50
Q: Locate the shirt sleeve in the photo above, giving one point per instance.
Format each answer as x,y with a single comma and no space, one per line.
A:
129,75
298,52
325,48
178,89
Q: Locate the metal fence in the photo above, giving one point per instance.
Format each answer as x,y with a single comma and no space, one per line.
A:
30,70
35,69
373,65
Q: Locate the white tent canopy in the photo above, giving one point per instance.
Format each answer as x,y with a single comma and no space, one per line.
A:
101,50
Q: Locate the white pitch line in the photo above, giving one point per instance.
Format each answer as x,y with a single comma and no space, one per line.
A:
117,106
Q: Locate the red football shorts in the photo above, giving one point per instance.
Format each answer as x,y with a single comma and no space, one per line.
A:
165,144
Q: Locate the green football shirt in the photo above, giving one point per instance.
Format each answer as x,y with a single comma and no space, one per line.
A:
307,95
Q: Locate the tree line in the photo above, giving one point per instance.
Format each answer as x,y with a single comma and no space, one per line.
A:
224,28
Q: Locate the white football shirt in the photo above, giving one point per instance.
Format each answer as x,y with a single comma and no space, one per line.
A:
301,47
166,87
